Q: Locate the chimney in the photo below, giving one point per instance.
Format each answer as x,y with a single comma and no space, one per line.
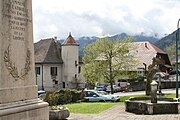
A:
55,39
146,45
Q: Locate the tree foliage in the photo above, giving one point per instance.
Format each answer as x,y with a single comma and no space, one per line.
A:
107,59
171,50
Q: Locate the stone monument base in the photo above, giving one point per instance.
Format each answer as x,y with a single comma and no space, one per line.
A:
34,109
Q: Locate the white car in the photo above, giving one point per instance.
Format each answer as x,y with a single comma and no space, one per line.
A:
99,96
116,97
41,94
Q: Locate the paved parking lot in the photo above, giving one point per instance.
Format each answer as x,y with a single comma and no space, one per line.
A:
118,113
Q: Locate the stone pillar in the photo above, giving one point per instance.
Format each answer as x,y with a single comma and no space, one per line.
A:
18,90
154,91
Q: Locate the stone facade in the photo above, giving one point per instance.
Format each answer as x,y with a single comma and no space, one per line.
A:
17,78
17,73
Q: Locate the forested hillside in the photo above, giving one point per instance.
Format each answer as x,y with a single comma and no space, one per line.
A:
168,44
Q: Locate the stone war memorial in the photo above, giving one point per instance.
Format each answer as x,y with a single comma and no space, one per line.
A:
18,91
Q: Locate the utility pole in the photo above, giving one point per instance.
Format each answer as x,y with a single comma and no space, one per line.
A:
177,71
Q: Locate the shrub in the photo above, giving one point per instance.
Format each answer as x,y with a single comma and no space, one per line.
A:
67,96
75,95
63,96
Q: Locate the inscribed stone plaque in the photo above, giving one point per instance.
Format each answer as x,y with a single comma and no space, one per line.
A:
17,79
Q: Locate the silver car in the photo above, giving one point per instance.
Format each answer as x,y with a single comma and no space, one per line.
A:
96,96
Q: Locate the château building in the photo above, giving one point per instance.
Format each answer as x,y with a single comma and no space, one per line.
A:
58,65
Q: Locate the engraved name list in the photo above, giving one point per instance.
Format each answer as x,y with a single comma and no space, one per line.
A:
18,18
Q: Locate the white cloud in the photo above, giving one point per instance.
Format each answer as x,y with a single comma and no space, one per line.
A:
104,17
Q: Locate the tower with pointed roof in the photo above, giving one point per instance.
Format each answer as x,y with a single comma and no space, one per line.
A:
70,56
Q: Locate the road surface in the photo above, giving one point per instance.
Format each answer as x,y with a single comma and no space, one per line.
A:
173,90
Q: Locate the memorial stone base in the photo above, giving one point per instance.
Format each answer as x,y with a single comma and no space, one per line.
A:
34,109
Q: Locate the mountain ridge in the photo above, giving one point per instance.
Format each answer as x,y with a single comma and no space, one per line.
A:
85,40
166,43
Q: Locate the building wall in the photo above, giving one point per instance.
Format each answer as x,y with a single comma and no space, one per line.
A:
39,77
45,77
70,56
66,72
81,81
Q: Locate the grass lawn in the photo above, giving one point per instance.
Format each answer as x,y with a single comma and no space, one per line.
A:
123,98
98,107
90,108
169,95
95,107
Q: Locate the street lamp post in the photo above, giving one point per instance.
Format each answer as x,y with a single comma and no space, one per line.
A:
177,39
145,67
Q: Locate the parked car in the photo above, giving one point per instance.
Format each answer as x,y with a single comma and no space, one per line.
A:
115,88
100,88
124,89
94,96
41,94
116,97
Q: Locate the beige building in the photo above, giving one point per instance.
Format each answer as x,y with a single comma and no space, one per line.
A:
145,52
58,65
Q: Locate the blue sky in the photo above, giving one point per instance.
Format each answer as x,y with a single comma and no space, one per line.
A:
104,17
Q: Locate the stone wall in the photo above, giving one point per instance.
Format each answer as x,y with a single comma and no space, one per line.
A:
138,86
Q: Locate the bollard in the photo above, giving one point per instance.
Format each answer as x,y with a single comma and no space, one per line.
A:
154,91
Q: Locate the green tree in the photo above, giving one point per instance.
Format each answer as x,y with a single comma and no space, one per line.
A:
107,58
171,50
90,74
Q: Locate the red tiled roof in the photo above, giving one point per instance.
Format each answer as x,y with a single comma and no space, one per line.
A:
70,41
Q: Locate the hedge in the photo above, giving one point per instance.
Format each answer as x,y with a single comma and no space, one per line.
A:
63,96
